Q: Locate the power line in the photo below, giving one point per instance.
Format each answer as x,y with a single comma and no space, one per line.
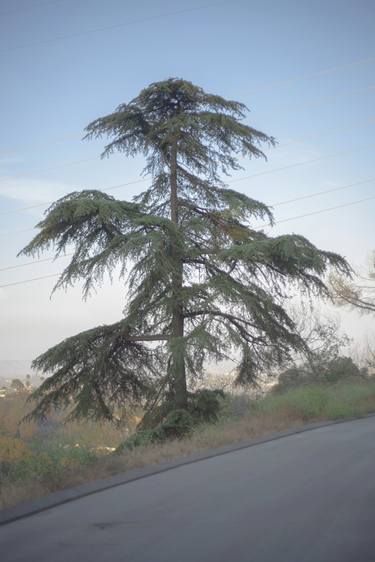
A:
30,7
323,210
113,187
75,162
34,262
323,192
48,142
327,209
110,27
257,174
356,126
51,168
322,100
297,164
29,280
38,205
322,72
12,232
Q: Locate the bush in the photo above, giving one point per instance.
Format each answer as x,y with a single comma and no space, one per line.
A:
205,405
339,369
45,463
313,402
177,424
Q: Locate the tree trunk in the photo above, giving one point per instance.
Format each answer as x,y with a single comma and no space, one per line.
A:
177,364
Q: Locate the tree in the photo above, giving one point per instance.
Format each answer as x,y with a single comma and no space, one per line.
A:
360,295
322,335
203,282
337,369
17,385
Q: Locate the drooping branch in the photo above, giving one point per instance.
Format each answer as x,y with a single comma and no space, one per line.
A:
100,370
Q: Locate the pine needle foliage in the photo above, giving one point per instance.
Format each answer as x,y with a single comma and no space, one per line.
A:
203,283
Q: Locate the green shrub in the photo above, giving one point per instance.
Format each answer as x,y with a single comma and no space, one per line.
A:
48,463
140,438
205,405
177,424
337,370
335,401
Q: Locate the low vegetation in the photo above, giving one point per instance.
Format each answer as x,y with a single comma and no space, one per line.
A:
37,460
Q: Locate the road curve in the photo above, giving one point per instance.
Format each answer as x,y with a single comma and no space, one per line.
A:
308,497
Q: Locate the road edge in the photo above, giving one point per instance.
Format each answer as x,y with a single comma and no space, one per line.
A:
33,507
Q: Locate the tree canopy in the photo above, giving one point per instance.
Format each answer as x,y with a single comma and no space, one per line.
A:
359,295
203,282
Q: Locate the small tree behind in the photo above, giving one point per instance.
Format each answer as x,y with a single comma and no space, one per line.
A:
204,283
17,384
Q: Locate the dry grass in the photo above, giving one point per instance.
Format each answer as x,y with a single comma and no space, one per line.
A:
242,419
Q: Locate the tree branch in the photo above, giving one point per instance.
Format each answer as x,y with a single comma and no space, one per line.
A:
146,337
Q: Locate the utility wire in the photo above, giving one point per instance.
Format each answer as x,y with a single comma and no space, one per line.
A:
35,261
110,27
257,174
113,187
48,142
38,205
51,168
323,192
323,134
297,164
327,209
322,100
324,210
317,74
13,232
30,7
282,145
29,280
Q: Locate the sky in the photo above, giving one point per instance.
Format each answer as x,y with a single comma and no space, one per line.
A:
305,70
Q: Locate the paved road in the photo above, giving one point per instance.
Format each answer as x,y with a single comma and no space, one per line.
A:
309,497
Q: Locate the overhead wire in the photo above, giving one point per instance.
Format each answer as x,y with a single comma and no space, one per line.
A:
236,180
334,207
30,7
302,77
111,27
312,213
95,158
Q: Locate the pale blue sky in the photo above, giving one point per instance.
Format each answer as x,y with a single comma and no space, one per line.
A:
268,55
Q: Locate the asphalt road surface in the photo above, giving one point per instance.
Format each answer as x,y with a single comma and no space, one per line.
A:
309,497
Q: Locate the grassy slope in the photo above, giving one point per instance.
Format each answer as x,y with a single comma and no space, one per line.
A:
56,467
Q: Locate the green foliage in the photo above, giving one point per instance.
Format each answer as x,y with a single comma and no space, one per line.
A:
338,369
177,424
17,384
92,367
140,438
205,405
343,368
46,463
202,281
317,401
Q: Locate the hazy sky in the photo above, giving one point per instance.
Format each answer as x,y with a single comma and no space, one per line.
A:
305,69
